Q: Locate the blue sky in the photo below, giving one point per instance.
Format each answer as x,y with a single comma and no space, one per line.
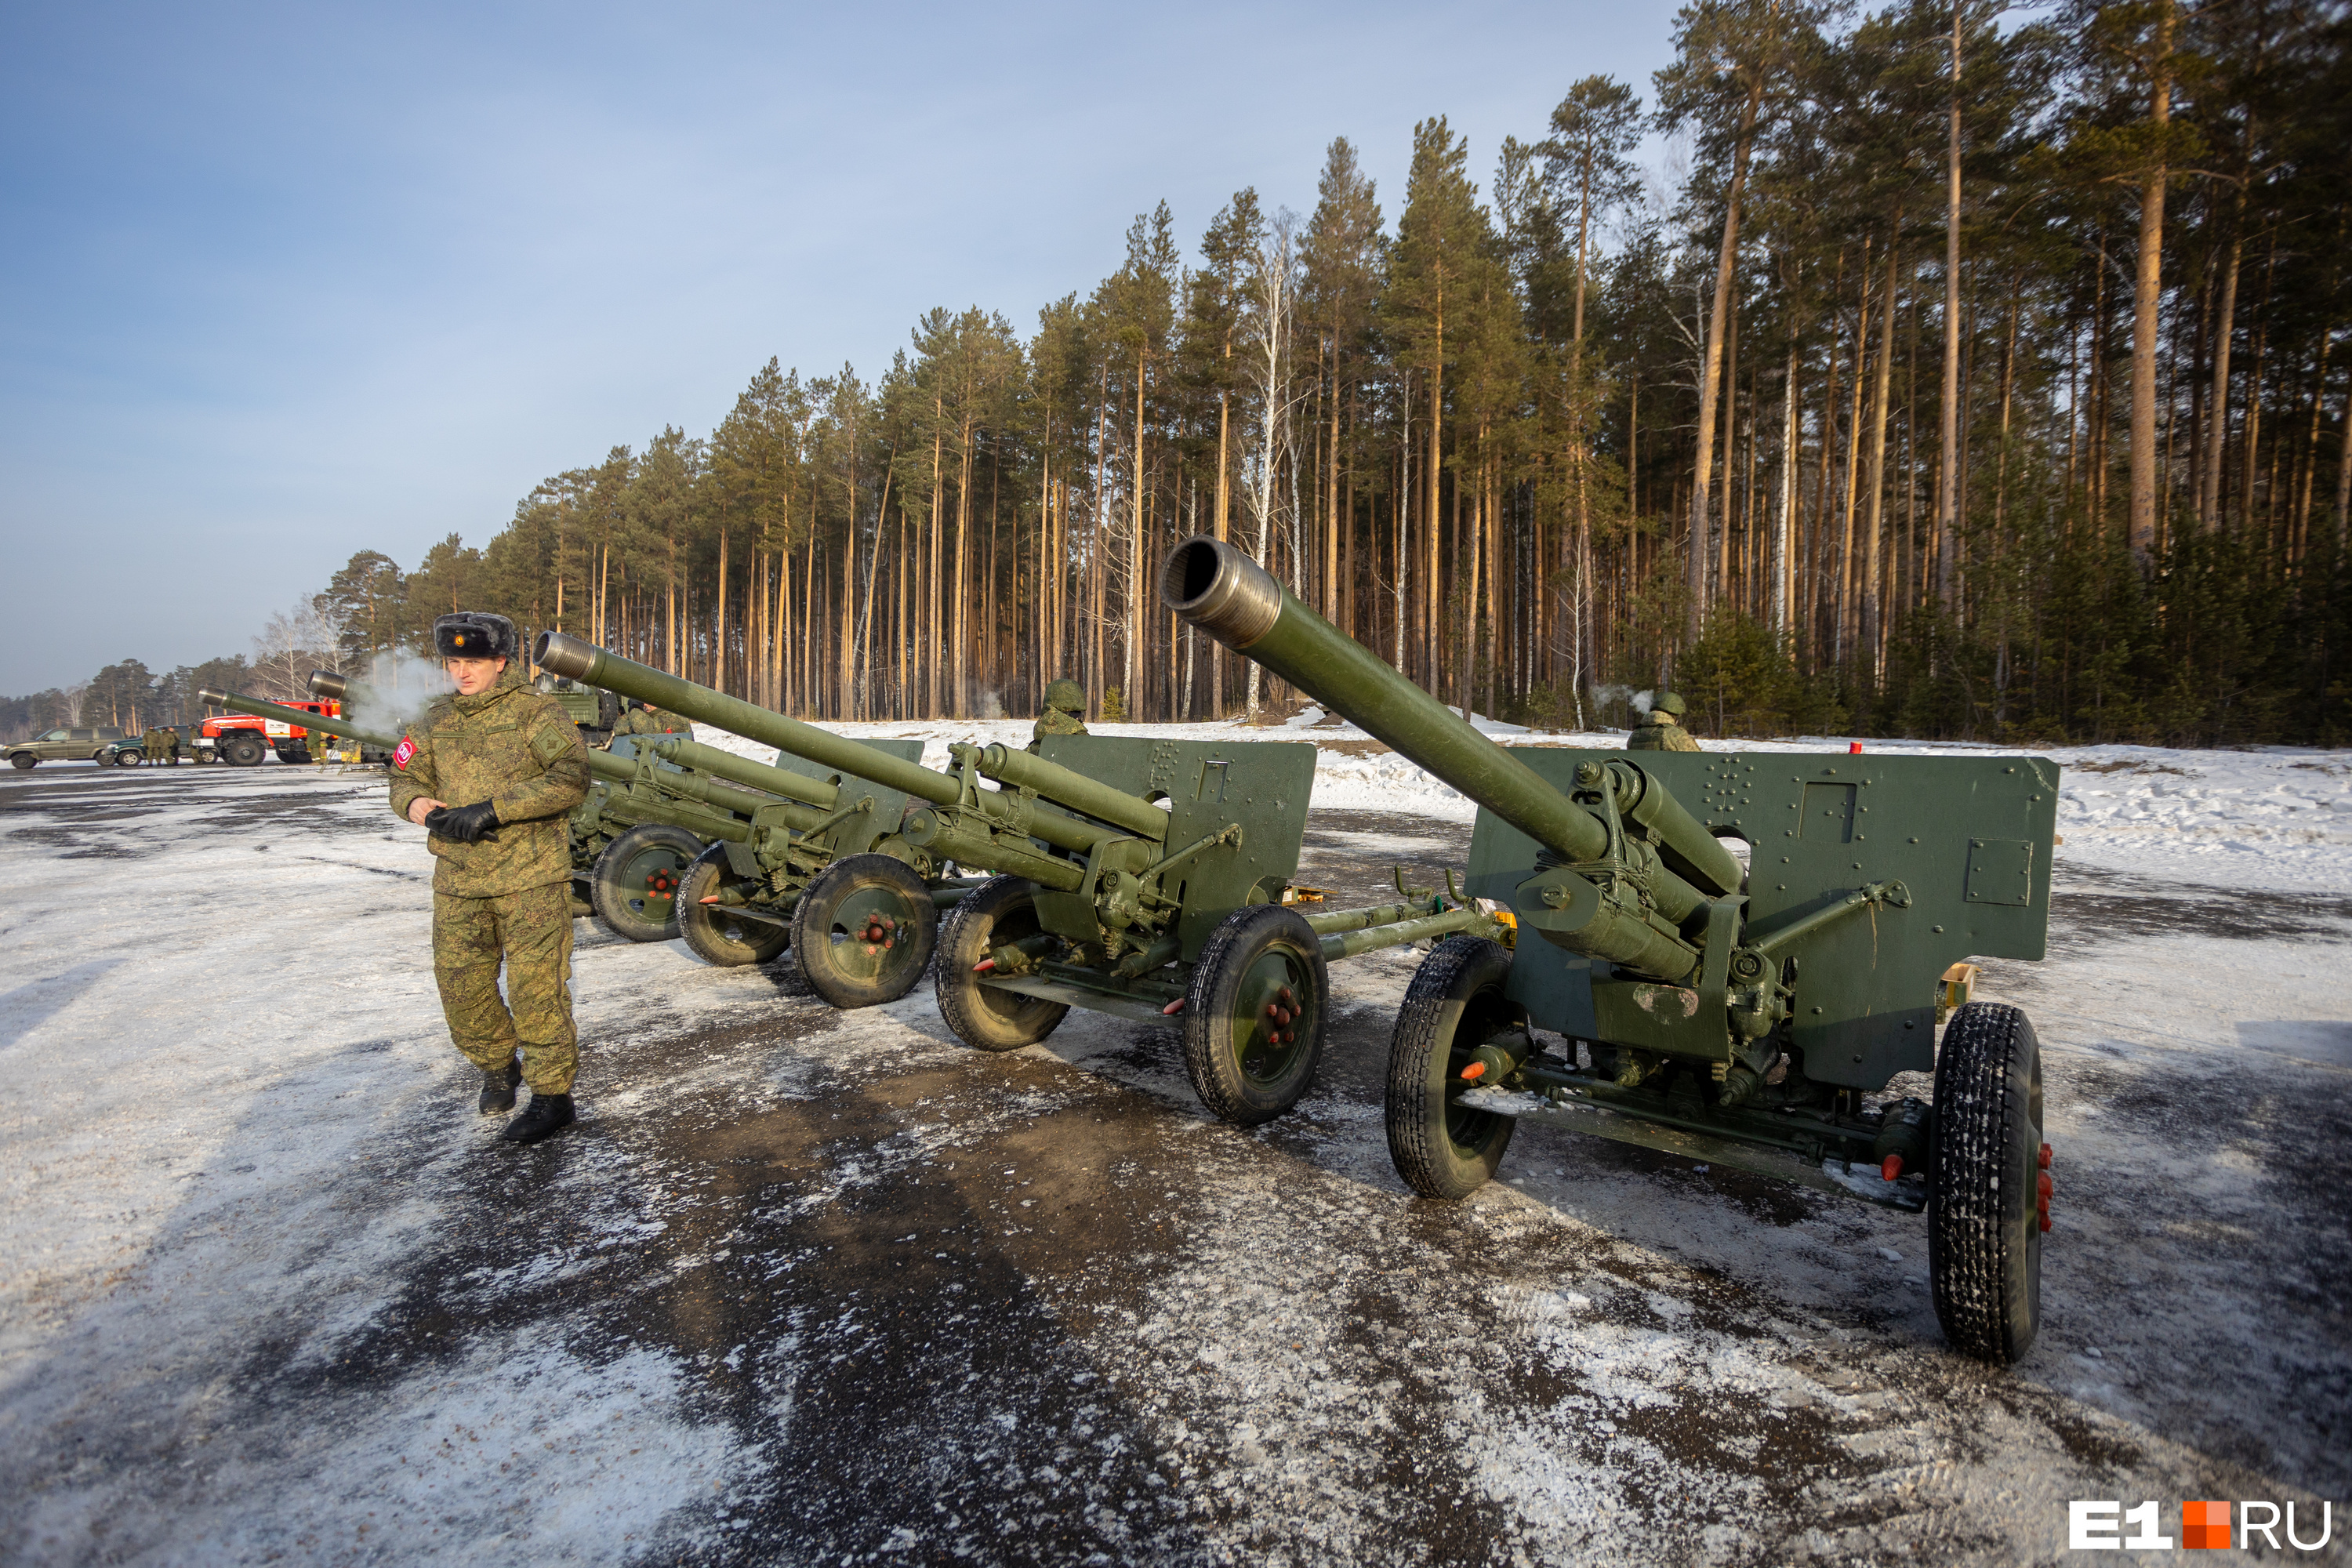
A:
285,282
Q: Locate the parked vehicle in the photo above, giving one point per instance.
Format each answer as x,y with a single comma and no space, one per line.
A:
242,740
83,743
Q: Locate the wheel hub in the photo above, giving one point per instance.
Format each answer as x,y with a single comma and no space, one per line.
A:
1266,1026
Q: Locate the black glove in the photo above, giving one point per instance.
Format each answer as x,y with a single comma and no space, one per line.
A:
463,824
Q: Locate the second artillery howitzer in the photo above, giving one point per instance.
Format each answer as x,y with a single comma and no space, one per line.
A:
823,869
642,823
1145,878
1733,1014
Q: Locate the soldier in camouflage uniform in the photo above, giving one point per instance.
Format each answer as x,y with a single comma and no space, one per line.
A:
1064,714
1661,730
172,746
501,890
644,719
152,742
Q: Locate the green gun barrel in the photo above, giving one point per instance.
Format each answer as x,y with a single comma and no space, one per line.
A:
1216,587
584,661
743,770
1225,594
1066,788
325,723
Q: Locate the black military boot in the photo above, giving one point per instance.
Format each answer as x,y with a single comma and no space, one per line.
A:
544,1117
499,1088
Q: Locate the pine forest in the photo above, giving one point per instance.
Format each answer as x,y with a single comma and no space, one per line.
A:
1951,371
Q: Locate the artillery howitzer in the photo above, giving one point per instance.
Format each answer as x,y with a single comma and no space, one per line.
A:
822,868
1144,878
643,822
1731,1015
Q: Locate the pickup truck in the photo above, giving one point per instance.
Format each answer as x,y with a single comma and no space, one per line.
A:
73,744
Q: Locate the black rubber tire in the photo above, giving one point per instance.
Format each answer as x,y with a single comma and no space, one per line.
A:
626,886
1453,1004
715,934
242,751
829,921
1000,911
1984,1228
1247,1066
24,761
129,758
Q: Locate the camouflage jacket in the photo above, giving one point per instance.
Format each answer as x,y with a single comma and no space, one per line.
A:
513,747
1053,722
641,721
1658,733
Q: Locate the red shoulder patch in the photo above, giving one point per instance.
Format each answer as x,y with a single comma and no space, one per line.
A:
403,753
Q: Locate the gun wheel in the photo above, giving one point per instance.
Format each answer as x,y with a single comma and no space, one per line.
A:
1442,1148
1253,1015
717,934
1987,1196
636,883
864,930
999,911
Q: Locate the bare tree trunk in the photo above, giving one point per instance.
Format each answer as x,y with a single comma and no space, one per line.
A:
1947,479
2217,424
1845,606
1872,643
2146,296
1132,696
1784,537
1711,366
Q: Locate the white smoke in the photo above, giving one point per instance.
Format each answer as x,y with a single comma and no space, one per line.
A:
399,685
989,707
1604,695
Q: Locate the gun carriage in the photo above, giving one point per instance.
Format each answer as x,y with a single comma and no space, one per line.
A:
1150,879
1748,1016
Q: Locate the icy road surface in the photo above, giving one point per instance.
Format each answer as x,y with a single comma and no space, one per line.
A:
807,1286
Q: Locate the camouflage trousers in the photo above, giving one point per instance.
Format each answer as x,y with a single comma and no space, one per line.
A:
531,931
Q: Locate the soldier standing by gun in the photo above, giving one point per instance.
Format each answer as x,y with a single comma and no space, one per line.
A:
644,719
500,889
1661,729
1064,714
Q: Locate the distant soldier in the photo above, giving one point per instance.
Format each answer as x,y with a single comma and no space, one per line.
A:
172,745
644,719
151,742
1064,714
1661,729
502,892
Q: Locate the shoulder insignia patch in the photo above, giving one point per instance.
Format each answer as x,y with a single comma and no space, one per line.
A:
402,754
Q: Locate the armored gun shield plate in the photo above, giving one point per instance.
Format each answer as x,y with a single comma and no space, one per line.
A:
857,835
1968,836
1205,786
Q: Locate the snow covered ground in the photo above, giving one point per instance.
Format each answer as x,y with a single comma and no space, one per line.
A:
813,1286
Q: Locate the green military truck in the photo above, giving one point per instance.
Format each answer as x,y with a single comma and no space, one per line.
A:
70,743
594,709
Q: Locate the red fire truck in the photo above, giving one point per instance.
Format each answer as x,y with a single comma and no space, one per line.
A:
242,740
